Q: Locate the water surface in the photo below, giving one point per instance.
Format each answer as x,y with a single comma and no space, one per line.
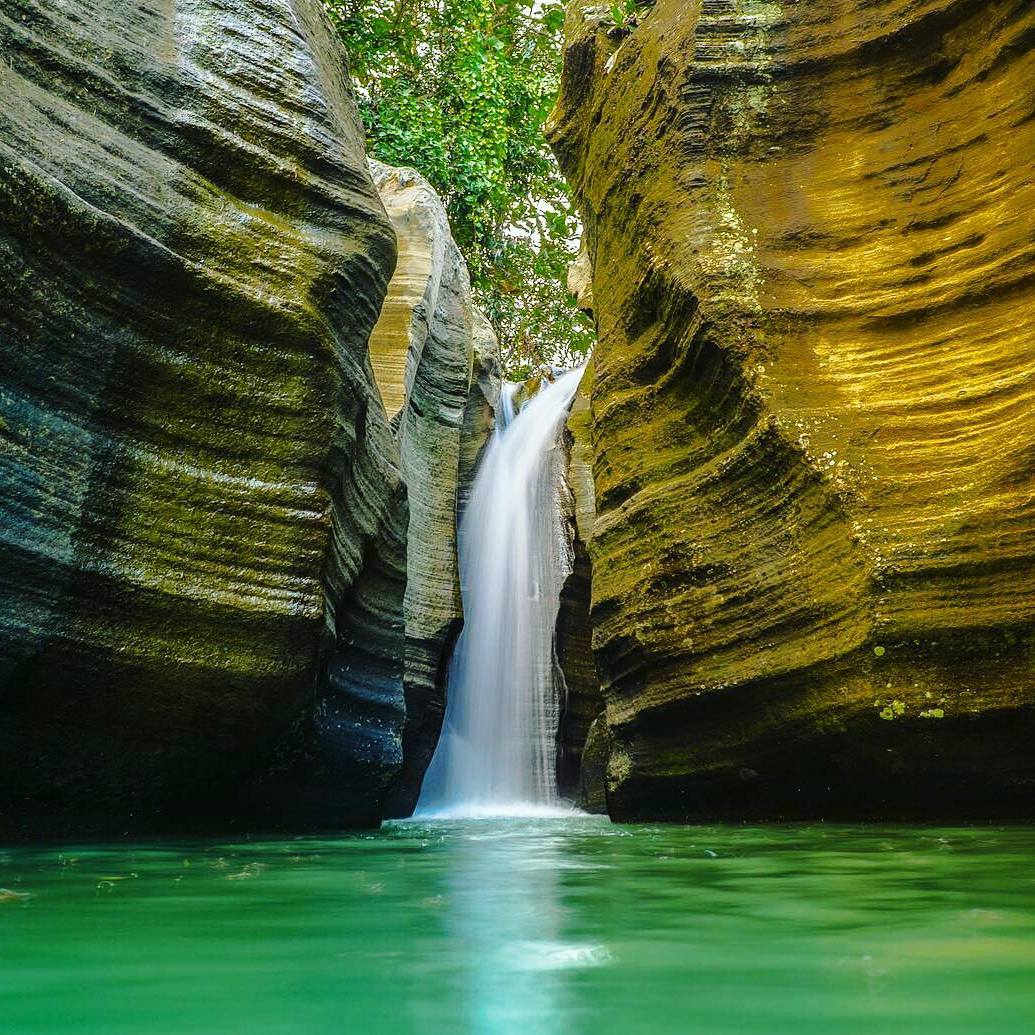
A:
564,925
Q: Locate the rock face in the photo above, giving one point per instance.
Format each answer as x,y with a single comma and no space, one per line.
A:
192,257
812,236
581,701
480,410
393,601
423,354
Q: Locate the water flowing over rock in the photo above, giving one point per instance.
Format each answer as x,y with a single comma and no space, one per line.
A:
192,256
498,748
812,236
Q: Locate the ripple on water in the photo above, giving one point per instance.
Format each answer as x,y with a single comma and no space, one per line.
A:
527,925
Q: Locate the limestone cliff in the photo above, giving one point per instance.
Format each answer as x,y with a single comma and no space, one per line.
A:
423,353
811,228
192,256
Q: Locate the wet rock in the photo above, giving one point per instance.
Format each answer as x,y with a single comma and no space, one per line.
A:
810,228
192,256
593,770
581,698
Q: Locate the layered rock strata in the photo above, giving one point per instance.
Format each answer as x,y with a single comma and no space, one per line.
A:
423,353
812,237
480,410
192,256
392,625
581,699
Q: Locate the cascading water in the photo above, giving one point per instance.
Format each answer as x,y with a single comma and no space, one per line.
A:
497,751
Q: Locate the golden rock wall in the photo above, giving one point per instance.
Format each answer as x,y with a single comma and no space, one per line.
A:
812,234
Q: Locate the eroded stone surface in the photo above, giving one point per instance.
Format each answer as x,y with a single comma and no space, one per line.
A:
480,411
192,255
812,230
423,355
582,702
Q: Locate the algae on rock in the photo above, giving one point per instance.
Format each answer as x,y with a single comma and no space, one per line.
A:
811,229
193,255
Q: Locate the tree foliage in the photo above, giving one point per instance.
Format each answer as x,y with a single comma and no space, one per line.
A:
459,90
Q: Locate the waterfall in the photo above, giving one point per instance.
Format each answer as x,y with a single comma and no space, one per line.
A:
497,752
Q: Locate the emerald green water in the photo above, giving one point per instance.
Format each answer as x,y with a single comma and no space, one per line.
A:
526,926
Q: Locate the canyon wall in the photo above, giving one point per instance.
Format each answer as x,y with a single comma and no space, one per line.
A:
427,348
381,695
811,235
192,446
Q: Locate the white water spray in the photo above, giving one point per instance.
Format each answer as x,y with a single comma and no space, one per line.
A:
497,752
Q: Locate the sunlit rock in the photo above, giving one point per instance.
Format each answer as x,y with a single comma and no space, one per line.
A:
811,230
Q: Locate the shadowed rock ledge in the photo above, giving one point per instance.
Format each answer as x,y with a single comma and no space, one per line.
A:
192,256
812,235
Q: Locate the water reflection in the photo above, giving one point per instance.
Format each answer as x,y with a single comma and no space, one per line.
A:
506,908
498,927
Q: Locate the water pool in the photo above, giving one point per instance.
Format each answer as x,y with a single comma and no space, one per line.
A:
559,925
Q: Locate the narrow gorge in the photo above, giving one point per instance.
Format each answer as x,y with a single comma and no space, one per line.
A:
786,547
517,517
